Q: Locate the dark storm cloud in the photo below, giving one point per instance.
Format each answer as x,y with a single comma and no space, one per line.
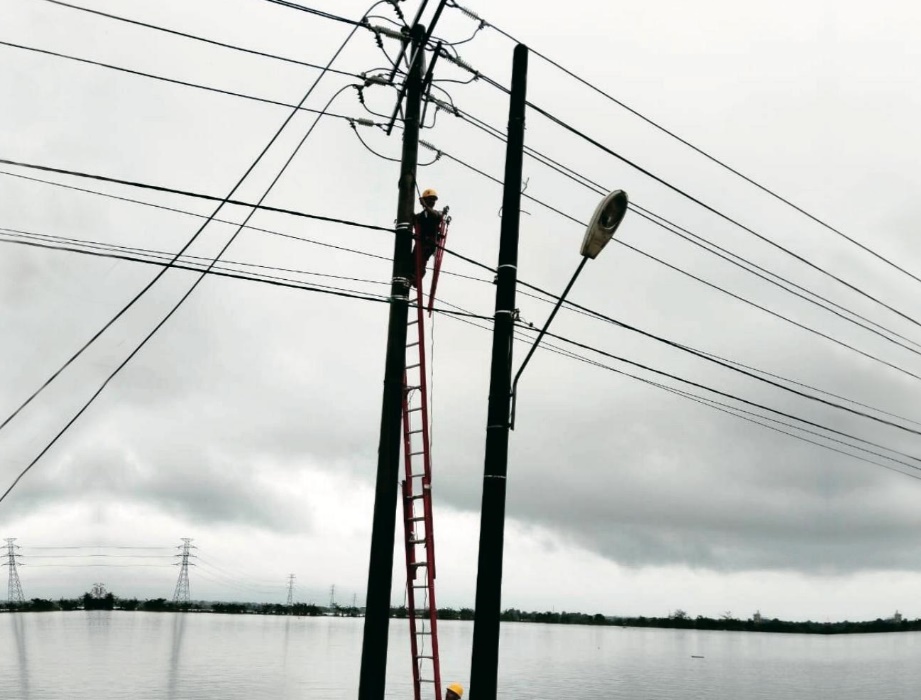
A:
246,387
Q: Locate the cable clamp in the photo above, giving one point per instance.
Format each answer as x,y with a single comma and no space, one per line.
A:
361,121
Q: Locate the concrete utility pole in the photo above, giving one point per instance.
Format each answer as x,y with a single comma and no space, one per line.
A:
484,665
14,592
372,676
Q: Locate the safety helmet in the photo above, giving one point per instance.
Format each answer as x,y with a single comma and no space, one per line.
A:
455,687
425,194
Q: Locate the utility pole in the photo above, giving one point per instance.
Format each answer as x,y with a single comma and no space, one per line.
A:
181,594
372,676
484,664
14,592
290,590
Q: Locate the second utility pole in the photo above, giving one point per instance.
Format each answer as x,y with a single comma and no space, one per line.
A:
484,662
373,673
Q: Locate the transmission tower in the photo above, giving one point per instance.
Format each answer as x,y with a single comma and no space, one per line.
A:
181,594
332,597
14,594
290,590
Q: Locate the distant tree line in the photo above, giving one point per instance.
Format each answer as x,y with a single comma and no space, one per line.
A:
677,620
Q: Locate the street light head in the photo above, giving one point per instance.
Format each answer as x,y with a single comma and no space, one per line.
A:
607,217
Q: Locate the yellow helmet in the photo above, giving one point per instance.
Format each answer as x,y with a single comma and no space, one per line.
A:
454,687
430,193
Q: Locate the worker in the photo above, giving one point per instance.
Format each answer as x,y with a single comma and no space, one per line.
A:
427,224
455,692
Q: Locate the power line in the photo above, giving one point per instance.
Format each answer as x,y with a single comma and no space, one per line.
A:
589,311
731,410
698,150
326,15
466,316
195,37
684,272
674,188
717,212
695,239
164,255
185,193
731,396
173,81
165,269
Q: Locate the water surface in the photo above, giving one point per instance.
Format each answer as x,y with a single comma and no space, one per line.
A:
136,655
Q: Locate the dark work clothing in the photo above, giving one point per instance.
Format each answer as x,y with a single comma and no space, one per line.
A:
427,224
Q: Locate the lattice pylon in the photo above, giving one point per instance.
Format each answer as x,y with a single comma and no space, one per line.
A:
181,594
14,591
290,590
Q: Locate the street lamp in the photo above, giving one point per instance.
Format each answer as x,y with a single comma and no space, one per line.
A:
607,217
500,415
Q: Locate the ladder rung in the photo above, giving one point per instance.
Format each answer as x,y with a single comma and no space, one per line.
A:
426,680
422,541
412,323
423,632
419,563
413,432
424,656
413,410
417,519
413,366
420,475
417,496
412,345
413,454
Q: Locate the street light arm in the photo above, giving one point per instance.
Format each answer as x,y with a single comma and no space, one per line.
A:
540,336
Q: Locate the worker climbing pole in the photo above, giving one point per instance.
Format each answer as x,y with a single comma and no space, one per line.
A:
430,229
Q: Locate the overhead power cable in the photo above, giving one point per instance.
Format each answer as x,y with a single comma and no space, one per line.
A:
485,267
237,275
674,188
685,272
325,15
184,83
694,148
467,316
196,195
706,356
202,39
165,269
589,311
191,262
717,212
724,394
734,411
701,242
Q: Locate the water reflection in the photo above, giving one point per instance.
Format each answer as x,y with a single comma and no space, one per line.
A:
19,631
175,654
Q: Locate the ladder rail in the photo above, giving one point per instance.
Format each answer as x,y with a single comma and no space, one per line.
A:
416,493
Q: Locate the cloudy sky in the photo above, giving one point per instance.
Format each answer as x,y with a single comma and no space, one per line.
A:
249,422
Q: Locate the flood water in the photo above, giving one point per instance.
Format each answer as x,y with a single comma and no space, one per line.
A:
102,655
